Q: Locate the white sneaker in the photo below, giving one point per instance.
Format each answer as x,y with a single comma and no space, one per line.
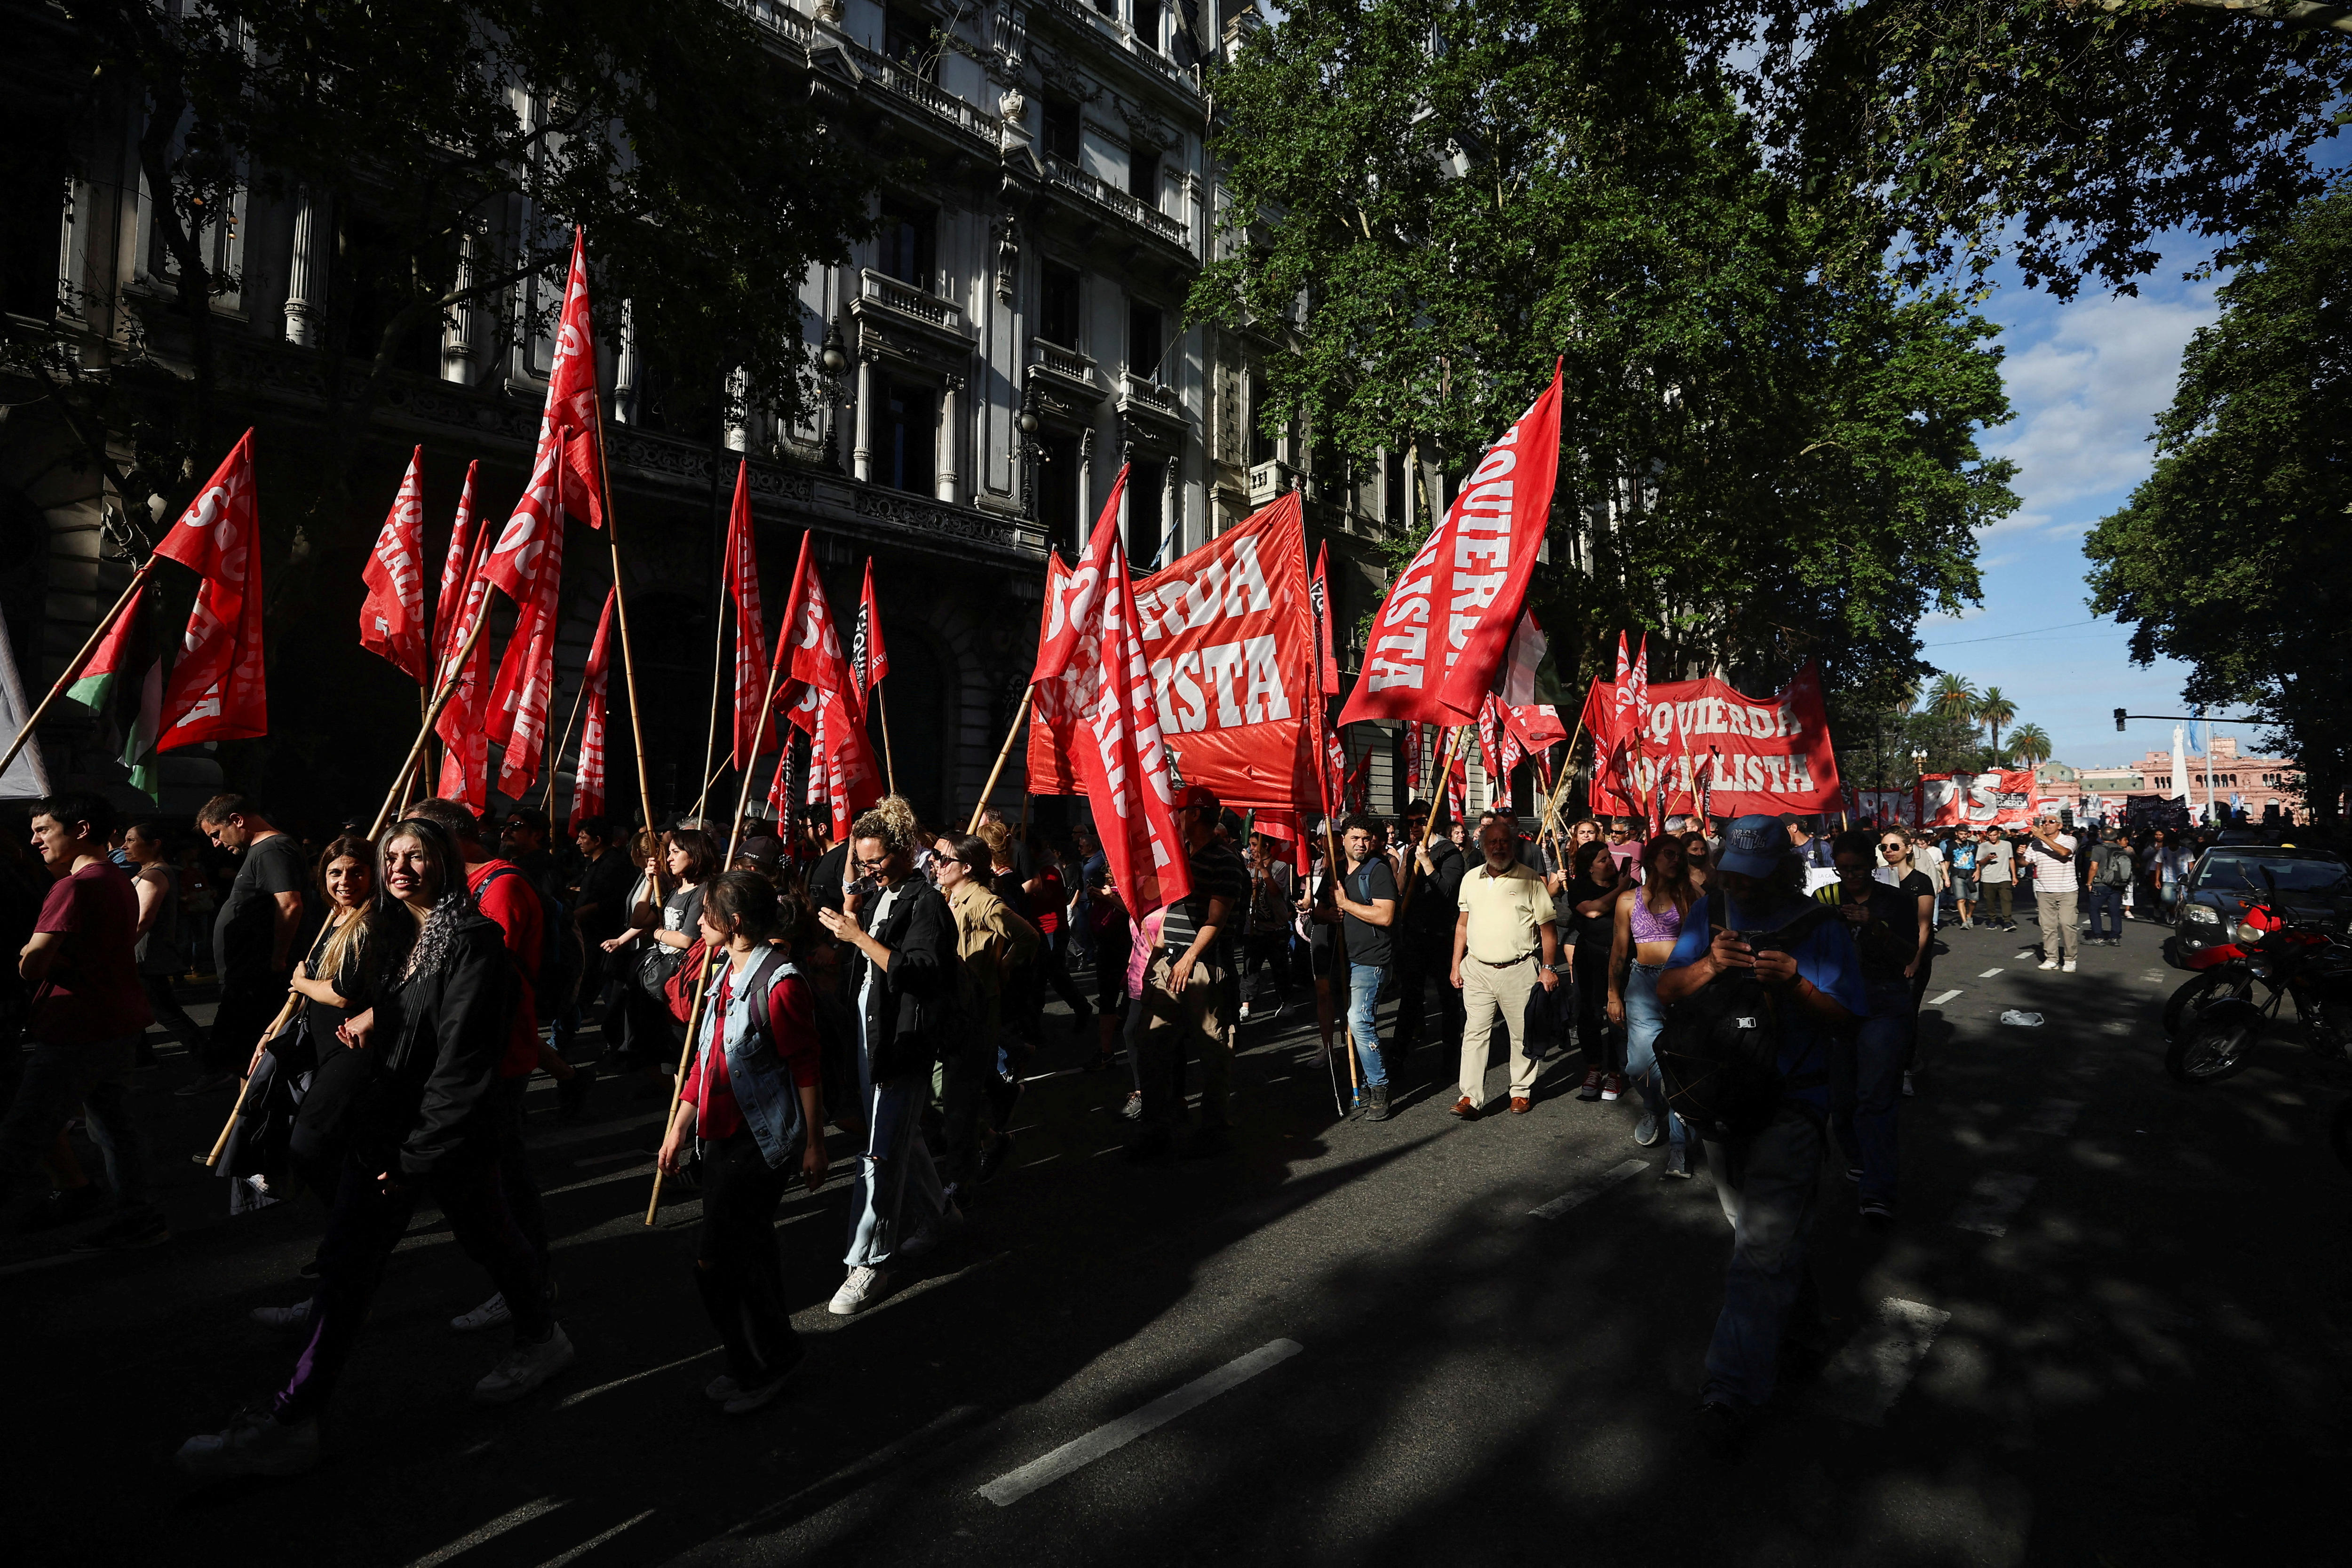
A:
722,1389
524,1368
749,1399
1906,1085
2049,963
859,1292
256,1444
491,1314
297,1316
2067,967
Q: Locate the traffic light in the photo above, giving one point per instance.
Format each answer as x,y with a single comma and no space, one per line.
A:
2119,720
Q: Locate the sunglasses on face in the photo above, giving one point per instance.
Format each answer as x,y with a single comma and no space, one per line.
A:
1890,848
875,865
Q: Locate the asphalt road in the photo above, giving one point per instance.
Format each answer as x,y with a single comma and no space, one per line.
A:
2110,1326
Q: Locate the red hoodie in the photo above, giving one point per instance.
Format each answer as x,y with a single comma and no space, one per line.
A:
511,901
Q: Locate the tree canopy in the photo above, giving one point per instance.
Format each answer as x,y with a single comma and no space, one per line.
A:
1764,458
2235,555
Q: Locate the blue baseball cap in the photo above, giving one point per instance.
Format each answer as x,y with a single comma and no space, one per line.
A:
1753,847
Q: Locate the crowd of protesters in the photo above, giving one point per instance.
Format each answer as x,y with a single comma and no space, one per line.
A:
382,1006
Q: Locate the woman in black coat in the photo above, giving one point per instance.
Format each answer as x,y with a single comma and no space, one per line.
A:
445,997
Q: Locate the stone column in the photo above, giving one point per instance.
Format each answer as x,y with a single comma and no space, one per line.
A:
861,455
950,461
738,425
305,271
626,369
1171,512
457,328
1084,523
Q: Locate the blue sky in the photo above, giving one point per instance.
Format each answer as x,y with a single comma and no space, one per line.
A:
2086,378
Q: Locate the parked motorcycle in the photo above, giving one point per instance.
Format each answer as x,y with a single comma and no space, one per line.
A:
2215,1033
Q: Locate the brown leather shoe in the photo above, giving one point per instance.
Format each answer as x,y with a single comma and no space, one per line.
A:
1464,1110
1521,1105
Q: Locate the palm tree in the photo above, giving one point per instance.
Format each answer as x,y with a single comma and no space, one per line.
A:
2030,744
1953,698
1993,710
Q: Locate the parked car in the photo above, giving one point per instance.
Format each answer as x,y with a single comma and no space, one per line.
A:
2312,884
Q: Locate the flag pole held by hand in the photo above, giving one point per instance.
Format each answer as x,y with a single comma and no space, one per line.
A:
220,1144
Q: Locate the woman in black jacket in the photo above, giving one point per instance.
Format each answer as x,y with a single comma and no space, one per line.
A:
904,982
445,997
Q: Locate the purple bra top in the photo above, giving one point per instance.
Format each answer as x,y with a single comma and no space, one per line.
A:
1648,927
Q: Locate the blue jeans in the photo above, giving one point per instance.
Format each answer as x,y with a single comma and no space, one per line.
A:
1866,1089
1363,996
1766,1188
2108,901
1644,1020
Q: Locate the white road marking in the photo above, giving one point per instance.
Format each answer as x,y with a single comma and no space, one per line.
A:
1010,1488
2054,1117
560,1558
1987,974
1592,1188
1871,1373
569,1400
2031,953
497,1526
1992,1203
1940,999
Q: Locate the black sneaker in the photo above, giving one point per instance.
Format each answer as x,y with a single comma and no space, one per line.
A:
1878,1213
1719,1427
141,1227
992,1158
67,1205
571,1093
1207,1139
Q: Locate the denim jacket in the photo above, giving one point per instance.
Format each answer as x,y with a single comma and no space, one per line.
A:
756,1072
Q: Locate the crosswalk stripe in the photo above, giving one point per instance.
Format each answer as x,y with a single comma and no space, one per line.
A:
1938,1001
1992,1203
1590,1188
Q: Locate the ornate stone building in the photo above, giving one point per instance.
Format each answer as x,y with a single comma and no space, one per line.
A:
1012,334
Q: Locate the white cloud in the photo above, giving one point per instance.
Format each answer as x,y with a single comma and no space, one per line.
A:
2086,391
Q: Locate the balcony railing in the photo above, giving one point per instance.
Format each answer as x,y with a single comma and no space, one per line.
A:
1121,38
778,18
1138,391
1068,363
1109,197
1269,480
945,315
928,97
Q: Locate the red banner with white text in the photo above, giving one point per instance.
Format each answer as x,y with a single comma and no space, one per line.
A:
1756,754
1229,642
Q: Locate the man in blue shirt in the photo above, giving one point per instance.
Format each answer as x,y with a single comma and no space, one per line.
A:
1767,1183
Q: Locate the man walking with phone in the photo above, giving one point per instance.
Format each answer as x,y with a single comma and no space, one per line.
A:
2051,854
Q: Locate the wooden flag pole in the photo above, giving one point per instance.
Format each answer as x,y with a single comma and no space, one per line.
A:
395,795
1429,829
702,976
73,665
220,1144
1019,717
889,766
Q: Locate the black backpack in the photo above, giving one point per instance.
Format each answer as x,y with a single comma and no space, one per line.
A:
561,956
1720,1049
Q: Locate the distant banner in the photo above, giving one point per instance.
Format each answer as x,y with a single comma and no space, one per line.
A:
2002,798
1755,754
1231,643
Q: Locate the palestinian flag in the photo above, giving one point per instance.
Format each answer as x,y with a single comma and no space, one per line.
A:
129,646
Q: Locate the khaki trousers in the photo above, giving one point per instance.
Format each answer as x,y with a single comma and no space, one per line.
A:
2057,911
1483,990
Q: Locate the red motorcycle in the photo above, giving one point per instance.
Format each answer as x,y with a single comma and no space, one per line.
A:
2214,1037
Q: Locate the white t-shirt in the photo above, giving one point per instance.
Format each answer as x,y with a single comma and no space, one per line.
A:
2050,872
1995,862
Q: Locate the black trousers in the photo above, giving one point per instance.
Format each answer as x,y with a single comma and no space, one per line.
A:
514,1166
1421,958
738,1266
1603,1046
172,1017
247,1006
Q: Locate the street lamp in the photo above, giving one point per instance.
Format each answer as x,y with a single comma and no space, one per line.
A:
1029,424
1918,760
834,357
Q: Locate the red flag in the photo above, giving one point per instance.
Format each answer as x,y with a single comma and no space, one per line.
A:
1122,763
810,635
869,661
1457,786
392,616
780,788
569,414
1335,772
1624,690
588,778
1513,751
1490,744
217,690
463,533
750,631
1465,586
1072,611
466,745
1319,597
516,716
1412,745
1642,686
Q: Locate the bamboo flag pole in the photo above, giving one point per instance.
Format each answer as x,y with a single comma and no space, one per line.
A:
889,766
1429,829
220,1144
702,976
621,616
73,665
457,666
556,758
1019,718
